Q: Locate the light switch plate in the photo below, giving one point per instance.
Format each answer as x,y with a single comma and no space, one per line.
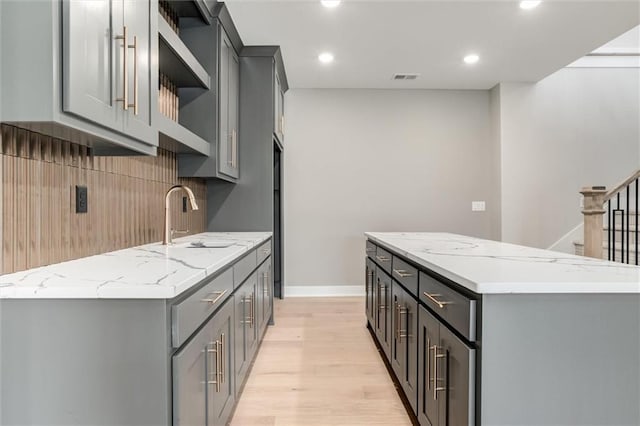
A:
478,206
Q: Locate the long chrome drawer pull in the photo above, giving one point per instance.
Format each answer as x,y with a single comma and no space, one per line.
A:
218,294
402,273
436,357
125,94
216,374
383,258
436,301
222,357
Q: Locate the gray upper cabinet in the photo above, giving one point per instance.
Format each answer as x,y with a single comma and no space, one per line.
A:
229,101
278,97
214,114
106,57
69,77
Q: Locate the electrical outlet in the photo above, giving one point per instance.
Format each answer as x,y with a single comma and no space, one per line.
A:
478,206
81,199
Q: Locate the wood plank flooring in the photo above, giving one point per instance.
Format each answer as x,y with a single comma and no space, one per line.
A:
319,366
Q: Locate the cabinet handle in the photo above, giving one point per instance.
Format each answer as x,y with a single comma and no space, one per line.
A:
265,283
436,357
134,46
396,308
440,304
382,288
215,351
402,310
402,273
218,297
266,251
249,319
383,258
125,95
252,298
370,249
429,363
234,148
223,358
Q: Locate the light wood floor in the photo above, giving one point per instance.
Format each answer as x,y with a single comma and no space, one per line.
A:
319,366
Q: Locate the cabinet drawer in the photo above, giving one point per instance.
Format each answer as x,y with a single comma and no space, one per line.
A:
187,315
456,309
371,249
383,258
406,275
243,268
264,251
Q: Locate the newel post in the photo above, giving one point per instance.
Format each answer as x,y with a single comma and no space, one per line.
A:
593,212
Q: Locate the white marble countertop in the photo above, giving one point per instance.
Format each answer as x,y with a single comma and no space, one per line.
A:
491,267
152,271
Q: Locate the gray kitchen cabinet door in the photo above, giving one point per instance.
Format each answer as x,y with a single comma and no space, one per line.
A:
370,291
429,399
397,348
241,314
252,330
137,117
265,293
278,108
92,60
225,159
234,113
220,399
409,332
192,370
245,329
383,323
458,369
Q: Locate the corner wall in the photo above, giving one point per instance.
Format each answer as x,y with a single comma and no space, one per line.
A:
578,127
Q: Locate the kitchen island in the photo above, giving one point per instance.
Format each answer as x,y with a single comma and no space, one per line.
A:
150,335
483,332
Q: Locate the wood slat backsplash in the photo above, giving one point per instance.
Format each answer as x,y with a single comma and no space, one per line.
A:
125,200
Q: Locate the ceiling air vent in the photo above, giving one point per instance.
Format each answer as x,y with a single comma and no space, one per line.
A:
405,76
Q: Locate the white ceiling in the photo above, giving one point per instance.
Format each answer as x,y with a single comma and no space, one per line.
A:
372,40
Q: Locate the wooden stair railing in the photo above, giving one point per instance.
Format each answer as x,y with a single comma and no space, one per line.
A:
597,202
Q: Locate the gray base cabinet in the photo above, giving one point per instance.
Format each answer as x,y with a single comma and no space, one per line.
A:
136,362
462,358
434,368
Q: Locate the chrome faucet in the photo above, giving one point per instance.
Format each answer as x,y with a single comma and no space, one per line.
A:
168,232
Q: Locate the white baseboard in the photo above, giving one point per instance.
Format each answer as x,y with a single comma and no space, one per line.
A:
323,291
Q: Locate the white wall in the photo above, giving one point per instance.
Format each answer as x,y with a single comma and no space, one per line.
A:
578,127
380,160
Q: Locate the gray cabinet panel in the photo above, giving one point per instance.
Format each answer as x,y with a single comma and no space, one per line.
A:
234,113
243,268
370,284
428,337
220,399
459,368
224,132
92,60
265,294
383,321
397,348
245,329
137,119
191,368
409,331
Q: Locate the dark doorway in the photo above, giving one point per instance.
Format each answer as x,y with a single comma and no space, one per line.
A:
277,221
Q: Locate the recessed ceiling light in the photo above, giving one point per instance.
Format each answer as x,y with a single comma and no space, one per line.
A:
529,4
325,58
471,59
330,3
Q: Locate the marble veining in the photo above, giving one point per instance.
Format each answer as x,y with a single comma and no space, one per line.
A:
152,271
488,267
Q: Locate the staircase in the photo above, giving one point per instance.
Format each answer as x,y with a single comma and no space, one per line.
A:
611,222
